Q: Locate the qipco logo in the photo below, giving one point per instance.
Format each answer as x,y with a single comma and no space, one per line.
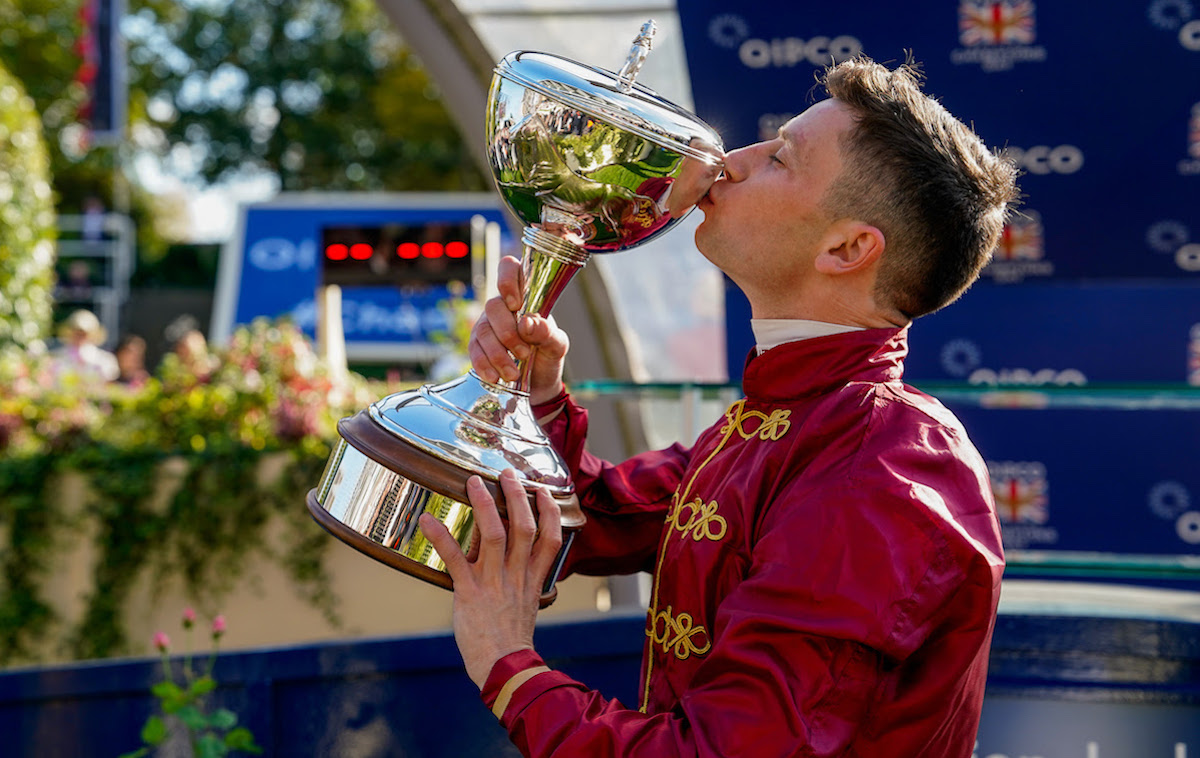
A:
1177,16
1171,501
788,51
1173,238
730,31
1043,160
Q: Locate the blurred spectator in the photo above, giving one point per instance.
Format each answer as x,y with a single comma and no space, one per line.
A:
192,350
76,286
80,353
131,359
93,220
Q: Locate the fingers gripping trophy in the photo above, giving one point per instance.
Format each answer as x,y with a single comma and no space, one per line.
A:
590,162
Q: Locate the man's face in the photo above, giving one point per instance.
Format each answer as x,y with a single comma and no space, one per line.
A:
764,220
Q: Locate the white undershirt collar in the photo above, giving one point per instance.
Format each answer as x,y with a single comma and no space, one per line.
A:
773,332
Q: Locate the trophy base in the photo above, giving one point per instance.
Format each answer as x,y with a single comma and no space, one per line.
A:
378,483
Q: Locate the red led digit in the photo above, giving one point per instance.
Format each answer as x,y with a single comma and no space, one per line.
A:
336,252
408,250
361,251
432,250
457,249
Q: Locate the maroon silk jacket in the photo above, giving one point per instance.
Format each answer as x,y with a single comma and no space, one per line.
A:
826,565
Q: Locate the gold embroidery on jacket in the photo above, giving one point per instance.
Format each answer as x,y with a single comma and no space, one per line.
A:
702,523
677,633
652,614
772,428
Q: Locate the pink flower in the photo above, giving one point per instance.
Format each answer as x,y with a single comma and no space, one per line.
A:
189,618
162,641
218,626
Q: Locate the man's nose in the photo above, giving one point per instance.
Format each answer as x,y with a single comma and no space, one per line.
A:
736,163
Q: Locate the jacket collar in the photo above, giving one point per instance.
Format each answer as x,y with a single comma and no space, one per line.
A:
820,364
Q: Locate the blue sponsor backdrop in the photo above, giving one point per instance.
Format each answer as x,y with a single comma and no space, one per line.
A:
1032,727
1059,334
1092,480
1096,282
272,267
1100,109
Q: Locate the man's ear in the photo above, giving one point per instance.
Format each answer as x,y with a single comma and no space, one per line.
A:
850,247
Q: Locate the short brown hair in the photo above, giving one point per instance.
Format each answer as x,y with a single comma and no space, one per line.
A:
924,178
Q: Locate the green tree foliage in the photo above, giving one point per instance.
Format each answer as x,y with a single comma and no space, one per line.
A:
321,93
27,219
39,44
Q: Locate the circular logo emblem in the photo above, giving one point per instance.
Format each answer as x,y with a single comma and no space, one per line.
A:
1188,257
1169,14
960,357
1166,236
1188,527
1168,500
727,30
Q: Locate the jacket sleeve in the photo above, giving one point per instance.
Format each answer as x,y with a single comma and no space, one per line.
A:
772,686
625,504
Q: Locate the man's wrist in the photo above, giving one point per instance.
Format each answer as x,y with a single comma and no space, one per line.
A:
507,676
547,402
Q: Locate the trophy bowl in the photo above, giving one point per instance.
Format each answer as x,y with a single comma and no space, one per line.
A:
590,162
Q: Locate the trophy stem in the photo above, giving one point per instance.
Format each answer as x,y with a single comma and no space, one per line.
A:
549,262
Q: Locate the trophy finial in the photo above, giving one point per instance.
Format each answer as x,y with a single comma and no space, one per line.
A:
637,55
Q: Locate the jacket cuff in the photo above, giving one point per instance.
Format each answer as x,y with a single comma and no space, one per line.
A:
514,681
551,409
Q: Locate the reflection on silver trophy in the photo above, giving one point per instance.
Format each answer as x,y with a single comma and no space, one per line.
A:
590,162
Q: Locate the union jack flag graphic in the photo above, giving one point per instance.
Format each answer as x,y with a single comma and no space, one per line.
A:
1008,22
1021,240
1021,500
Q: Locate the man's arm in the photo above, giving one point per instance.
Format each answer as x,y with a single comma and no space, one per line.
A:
625,503
774,684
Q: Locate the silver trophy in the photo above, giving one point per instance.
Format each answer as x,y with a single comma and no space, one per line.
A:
590,162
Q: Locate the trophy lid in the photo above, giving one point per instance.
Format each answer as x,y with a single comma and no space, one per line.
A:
609,98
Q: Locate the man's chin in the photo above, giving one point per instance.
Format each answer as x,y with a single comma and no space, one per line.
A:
705,242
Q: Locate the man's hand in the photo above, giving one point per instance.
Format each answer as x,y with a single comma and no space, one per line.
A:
496,590
499,337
